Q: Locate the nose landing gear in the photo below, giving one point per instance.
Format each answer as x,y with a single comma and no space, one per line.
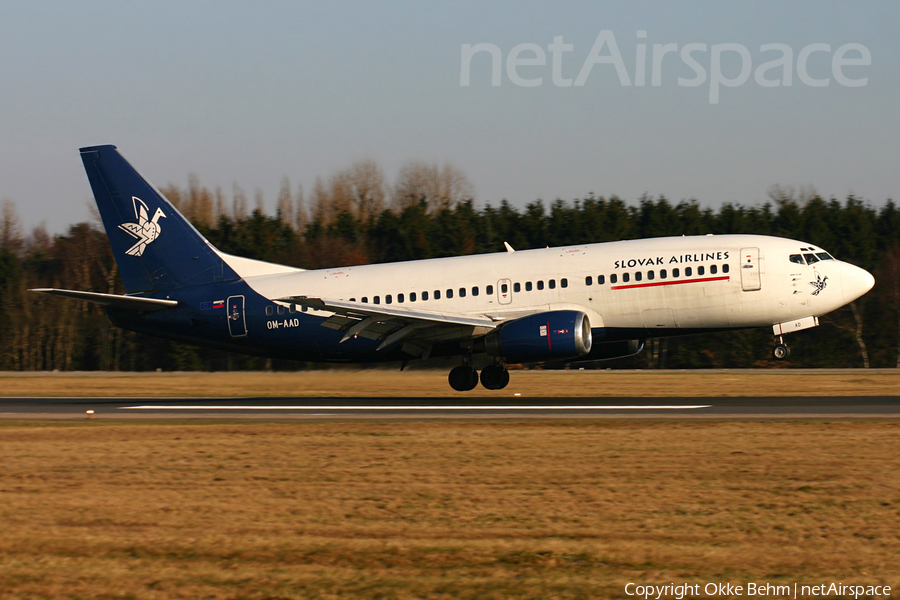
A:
781,350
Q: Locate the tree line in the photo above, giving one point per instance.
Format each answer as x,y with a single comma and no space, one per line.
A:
356,217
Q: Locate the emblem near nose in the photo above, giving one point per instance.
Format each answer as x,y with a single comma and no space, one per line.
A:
819,284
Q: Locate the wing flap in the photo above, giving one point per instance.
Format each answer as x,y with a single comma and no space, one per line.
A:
392,325
358,310
135,303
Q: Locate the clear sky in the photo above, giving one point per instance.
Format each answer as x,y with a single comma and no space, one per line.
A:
252,92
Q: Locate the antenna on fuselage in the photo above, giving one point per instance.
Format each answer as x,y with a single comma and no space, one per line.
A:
508,247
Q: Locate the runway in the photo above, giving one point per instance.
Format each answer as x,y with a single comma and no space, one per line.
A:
293,409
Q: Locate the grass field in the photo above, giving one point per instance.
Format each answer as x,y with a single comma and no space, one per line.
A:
528,384
442,509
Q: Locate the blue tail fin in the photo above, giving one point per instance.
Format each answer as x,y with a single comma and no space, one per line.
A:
155,247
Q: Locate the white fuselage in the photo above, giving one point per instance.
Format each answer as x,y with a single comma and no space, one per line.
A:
697,282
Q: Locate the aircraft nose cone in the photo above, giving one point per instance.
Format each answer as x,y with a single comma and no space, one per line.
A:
855,282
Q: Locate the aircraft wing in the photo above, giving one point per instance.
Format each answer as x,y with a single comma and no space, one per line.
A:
135,303
417,329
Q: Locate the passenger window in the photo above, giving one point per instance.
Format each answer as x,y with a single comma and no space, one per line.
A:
388,299
517,287
270,310
638,276
489,290
713,269
613,278
449,293
564,282
399,298
650,275
528,286
412,296
292,309
601,279
504,288
552,284
475,291
424,296
676,272
810,258
662,273
376,300
701,270
725,268
687,271
462,292
625,277
796,258
540,285
437,294
280,309
588,280
366,300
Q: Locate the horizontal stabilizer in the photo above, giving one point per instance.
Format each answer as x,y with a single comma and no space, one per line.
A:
135,303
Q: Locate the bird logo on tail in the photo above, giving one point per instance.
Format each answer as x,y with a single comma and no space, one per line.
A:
145,230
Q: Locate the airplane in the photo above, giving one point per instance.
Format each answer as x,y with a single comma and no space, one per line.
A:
572,304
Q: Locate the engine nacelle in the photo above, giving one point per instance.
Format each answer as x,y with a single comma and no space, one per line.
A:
555,335
612,350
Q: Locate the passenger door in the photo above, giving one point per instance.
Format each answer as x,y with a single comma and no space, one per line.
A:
750,279
237,321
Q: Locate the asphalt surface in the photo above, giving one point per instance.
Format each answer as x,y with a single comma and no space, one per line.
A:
469,408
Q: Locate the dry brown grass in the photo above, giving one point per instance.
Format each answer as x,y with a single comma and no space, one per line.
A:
392,384
442,509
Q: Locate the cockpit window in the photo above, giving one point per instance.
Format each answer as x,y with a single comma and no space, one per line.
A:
824,256
811,258
796,258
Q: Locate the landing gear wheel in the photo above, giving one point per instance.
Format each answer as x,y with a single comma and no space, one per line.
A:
494,377
781,351
463,378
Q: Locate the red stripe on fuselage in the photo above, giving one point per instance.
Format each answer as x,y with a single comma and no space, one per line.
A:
678,282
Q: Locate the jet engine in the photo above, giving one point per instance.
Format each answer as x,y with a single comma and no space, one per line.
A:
554,335
612,350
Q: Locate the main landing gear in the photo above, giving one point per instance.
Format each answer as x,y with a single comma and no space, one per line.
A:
464,377
781,350
494,377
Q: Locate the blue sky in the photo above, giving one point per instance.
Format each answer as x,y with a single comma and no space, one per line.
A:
252,92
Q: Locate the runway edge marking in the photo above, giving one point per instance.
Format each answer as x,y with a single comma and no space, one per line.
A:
432,408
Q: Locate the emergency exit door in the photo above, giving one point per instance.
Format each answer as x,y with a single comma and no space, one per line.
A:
504,291
750,280
237,321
